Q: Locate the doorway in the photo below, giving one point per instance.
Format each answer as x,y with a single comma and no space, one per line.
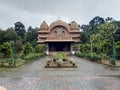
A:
59,46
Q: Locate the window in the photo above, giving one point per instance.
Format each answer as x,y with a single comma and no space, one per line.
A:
59,30
55,33
63,33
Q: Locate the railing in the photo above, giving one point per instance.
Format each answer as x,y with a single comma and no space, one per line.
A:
59,38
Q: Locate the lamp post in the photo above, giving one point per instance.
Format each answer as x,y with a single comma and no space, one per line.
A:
15,52
113,50
91,47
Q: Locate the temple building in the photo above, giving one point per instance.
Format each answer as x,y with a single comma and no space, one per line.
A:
59,36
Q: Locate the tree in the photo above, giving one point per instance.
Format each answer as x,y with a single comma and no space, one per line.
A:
103,39
84,37
8,35
109,19
20,29
7,50
2,36
31,35
107,30
40,48
85,28
96,21
27,48
91,28
118,49
117,33
18,46
11,34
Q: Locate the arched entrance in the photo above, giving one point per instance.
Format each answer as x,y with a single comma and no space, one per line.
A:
59,46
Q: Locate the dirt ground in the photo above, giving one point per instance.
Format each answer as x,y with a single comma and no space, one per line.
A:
107,62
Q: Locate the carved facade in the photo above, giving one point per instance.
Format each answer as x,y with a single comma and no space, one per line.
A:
59,36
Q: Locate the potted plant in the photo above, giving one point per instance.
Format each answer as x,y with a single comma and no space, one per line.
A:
59,62
48,62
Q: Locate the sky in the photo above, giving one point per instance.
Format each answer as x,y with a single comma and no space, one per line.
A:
34,12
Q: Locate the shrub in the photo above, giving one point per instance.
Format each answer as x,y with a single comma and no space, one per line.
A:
118,50
71,61
93,56
27,48
104,56
10,61
75,47
7,50
96,57
33,56
88,55
40,48
84,47
79,54
60,56
59,62
18,46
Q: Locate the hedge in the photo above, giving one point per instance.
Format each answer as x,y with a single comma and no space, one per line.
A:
34,55
93,56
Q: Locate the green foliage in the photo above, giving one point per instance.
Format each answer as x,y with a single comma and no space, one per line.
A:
84,48
96,58
27,48
20,29
91,28
75,47
84,37
18,46
107,29
10,61
0,51
8,35
104,56
6,50
40,48
31,36
106,47
33,56
117,33
102,41
60,56
93,56
102,35
118,49
59,62
88,55
96,21
21,37
79,54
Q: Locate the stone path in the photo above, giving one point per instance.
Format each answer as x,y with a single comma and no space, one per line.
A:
33,76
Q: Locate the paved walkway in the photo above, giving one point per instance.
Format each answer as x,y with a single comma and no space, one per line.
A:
33,76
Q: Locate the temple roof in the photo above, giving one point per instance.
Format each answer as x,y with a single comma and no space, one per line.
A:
74,26
59,23
44,26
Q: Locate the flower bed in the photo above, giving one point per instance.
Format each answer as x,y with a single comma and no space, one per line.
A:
60,60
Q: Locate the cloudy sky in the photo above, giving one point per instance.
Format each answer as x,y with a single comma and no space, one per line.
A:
34,12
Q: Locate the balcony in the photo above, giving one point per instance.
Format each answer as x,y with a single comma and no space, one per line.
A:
59,39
